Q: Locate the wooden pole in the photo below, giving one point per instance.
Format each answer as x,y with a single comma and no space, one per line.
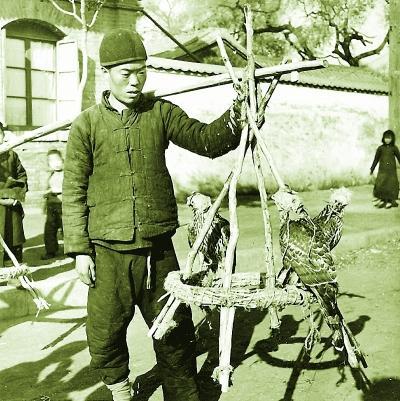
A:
227,314
221,79
394,67
35,134
260,73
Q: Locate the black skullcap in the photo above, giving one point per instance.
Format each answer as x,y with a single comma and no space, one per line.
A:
121,46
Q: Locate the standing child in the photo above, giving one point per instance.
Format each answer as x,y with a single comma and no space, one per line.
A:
13,187
53,203
386,189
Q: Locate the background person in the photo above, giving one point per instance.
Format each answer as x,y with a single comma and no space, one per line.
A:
386,188
13,187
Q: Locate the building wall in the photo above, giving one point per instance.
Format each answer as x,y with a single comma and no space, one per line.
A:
319,138
115,13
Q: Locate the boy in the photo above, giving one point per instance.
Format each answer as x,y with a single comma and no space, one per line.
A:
53,203
13,187
120,213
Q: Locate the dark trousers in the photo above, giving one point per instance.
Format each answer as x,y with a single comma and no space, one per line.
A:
51,227
120,285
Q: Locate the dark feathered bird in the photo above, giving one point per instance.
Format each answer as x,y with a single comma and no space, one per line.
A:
213,249
330,219
306,251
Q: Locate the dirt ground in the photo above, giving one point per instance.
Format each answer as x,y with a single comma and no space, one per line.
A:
47,359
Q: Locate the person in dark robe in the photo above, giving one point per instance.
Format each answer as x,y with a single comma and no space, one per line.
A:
386,188
13,187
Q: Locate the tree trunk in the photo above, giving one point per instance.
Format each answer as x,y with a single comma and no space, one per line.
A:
394,67
84,76
84,49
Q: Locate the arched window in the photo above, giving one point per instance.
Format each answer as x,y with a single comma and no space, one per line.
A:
32,74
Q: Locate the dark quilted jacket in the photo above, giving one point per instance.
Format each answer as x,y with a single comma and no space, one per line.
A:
115,177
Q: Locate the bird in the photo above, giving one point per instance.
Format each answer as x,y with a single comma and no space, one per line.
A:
330,219
306,251
213,248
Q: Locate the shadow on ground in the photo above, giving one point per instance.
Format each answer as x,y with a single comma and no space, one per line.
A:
48,376
385,389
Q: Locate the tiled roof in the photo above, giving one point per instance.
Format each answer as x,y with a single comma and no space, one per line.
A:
335,77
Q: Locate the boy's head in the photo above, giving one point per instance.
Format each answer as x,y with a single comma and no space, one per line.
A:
55,159
123,58
388,137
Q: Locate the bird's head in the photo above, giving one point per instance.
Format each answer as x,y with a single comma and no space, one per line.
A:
199,202
340,196
288,201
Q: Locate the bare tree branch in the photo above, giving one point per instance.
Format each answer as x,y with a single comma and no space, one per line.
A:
377,50
98,7
59,8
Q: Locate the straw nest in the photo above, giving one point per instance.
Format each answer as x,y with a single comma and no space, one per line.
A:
248,290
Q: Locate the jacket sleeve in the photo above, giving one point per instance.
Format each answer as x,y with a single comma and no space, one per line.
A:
77,169
211,140
397,153
376,159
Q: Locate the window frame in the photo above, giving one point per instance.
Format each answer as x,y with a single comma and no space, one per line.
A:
28,80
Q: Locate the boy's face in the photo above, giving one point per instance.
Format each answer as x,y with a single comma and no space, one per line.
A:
55,161
387,139
126,81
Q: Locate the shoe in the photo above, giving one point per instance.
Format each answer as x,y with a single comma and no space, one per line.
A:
388,205
380,204
375,200
48,256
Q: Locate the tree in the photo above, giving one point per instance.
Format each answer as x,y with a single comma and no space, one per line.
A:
394,67
86,11
310,28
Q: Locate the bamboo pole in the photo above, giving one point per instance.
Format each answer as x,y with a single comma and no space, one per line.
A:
221,79
35,134
268,248
161,316
227,314
260,73
264,149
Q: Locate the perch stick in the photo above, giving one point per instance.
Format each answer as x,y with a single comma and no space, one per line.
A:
161,315
268,248
167,321
227,313
264,149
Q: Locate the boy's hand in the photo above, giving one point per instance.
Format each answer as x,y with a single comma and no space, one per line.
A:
86,269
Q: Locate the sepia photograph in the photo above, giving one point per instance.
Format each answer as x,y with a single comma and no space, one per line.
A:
199,200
